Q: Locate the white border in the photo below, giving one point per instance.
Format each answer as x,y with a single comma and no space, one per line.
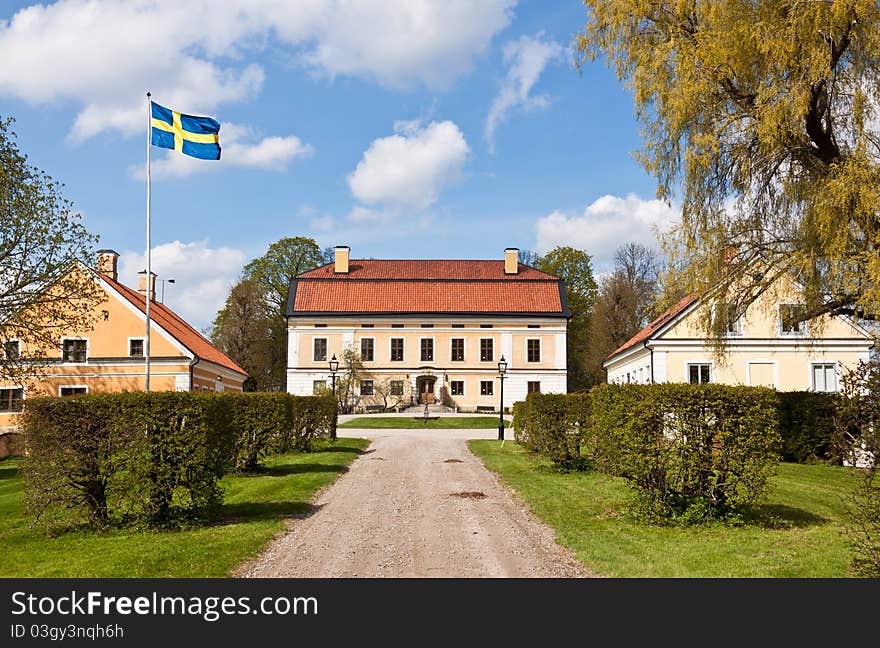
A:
60,387
64,338
540,351
750,361
433,348
390,340
326,349
463,349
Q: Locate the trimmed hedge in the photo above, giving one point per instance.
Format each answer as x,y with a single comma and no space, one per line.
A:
694,452
806,423
554,425
155,458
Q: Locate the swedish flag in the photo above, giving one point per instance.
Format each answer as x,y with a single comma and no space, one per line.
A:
198,137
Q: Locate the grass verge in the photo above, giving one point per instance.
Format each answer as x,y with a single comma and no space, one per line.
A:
406,422
253,512
797,532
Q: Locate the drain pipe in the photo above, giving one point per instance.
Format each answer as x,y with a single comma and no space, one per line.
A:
651,350
192,365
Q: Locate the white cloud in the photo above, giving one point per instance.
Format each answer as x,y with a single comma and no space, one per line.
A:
103,55
409,169
361,215
203,276
526,59
606,224
240,147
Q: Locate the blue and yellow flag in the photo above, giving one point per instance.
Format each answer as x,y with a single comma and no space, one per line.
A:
198,137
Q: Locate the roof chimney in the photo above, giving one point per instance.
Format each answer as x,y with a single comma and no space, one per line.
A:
142,284
107,263
341,260
511,261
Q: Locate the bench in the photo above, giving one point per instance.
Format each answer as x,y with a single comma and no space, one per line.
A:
486,408
374,408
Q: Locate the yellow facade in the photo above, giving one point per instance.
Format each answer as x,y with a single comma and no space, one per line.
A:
758,352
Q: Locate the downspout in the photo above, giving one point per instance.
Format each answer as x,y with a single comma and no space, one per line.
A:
192,365
651,349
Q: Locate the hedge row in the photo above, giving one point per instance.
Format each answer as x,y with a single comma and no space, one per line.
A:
807,426
692,451
154,458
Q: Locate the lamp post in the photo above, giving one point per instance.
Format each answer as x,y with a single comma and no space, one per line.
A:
163,288
334,367
502,369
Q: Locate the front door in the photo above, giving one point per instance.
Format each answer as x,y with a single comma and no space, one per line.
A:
426,390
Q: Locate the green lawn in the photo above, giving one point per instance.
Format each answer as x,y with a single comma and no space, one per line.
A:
796,533
406,422
253,512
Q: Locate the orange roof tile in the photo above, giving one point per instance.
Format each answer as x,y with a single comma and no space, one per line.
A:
426,287
177,327
654,326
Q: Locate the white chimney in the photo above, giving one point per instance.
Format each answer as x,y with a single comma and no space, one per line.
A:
142,284
511,261
340,265
107,263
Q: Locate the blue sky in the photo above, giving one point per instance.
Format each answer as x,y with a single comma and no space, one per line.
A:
404,129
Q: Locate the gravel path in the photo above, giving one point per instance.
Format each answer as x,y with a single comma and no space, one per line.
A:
417,505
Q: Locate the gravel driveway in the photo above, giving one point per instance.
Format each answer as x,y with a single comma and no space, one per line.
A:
417,504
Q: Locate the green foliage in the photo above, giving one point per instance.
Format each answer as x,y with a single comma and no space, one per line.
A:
41,239
155,459
763,115
694,452
858,436
806,424
554,425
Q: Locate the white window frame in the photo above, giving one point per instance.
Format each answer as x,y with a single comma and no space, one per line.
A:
540,350
60,387
23,396
372,387
390,344
480,350
528,382
326,350
824,363
315,385
803,327
3,347
463,349
142,339
696,363
491,384
391,387
751,361
462,381
80,339
373,359
433,348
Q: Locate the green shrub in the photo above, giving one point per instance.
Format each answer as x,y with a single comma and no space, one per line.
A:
314,417
553,425
519,421
693,452
806,424
261,422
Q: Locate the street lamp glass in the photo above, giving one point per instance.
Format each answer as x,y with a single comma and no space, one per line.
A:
334,363
502,365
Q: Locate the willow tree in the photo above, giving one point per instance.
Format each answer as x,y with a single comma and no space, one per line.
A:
763,120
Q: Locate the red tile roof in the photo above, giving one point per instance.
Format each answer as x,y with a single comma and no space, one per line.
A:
177,327
646,333
426,287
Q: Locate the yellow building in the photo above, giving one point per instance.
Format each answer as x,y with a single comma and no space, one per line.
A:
764,347
424,327
110,356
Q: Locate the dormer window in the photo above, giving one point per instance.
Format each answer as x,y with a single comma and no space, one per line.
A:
791,320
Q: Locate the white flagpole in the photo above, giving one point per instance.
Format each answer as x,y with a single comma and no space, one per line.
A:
149,265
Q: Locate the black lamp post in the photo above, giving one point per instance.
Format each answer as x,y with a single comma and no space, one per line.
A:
502,369
334,367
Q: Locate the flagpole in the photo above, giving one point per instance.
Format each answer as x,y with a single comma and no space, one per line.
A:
149,265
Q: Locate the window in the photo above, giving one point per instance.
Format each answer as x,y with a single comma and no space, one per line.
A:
825,377
533,351
397,349
366,388
487,387
486,350
458,326
72,391
366,326
320,326
397,326
456,387
457,354
318,386
698,373
427,345
427,326
788,316
135,348
534,326
533,387
10,399
320,353
74,350
397,388
485,326
12,349
732,321
367,349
